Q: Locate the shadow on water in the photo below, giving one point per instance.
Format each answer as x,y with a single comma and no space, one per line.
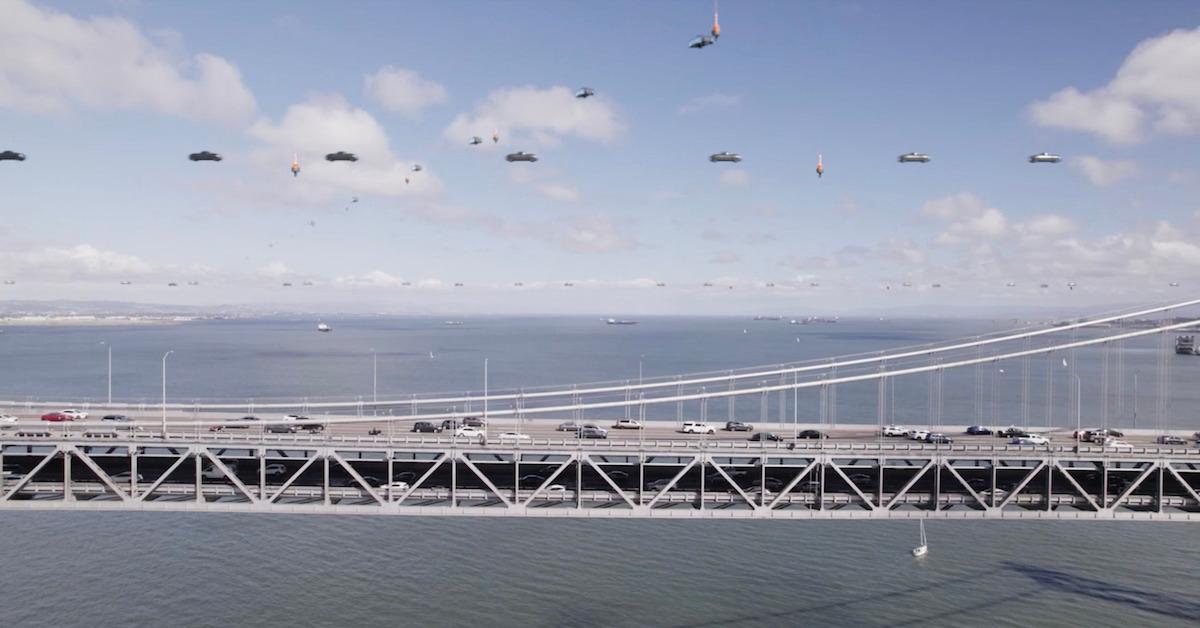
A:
854,601
1148,601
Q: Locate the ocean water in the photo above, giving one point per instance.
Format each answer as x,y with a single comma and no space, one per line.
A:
153,569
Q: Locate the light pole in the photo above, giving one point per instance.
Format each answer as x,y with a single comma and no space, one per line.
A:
374,376
1078,409
1135,382
164,392
105,343
485,397
640,358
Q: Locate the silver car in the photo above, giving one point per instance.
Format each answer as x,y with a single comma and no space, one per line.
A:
521,156
725,156
913,158
1044,158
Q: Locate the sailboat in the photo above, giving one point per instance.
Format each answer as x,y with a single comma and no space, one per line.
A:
323,327
923,548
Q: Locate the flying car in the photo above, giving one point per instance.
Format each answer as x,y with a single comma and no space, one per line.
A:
287,284
307,283
458,284
518,285
584,92
193,283
701,41
820,167
1044,158
126,283
707,284
11,155
913,158
661,284
521,156
417,168
907,284
937,285
1011,284
172,284
295,165
1045,285
1174,284
341,155
567,284
10,282
495,136
725,156
204,155
475,139
770,284
406,283
1071,285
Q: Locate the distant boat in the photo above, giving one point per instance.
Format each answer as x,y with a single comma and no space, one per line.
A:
455,323
923,548
617,321
323,327
768,318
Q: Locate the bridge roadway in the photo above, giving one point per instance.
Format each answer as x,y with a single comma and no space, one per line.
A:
655,474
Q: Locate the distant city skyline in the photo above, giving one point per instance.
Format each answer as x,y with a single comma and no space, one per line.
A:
107,99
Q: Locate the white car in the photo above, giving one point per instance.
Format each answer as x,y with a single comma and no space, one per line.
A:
468,432
74,415
398,487
1113,442
693,427
513,436
7,421
918,434
275,468
1032,439
627,424
895,430
556,488
213,472
125,476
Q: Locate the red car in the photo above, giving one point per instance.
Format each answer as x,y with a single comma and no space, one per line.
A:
55,416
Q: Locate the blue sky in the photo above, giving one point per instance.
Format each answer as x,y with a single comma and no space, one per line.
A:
107,99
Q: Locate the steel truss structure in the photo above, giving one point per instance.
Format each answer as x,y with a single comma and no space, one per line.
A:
628,481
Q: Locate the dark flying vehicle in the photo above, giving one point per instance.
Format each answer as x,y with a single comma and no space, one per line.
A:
725,156
341,155
701,41
820,167
1044,158
584,92
521,156
475,139
907,158
417,168
11,155
204,155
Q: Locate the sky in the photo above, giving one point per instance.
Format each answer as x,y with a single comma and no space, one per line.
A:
107,99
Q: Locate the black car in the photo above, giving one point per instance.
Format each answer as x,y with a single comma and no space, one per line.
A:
341,155
738,426
765,436
979,430
11,155
450,424
425,426
1012,432
243,423
204,155
473,421
282,428
937,438
811,434
313,427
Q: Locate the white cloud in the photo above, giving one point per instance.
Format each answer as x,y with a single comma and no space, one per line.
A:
1104,172
273,270
725,257
1159,83
1046,225
542,116
969,219
735,177
51,61
403,91
564,193
82,261
715,100
595,234
326,124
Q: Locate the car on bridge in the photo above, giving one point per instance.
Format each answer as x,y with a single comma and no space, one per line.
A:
627,424
1167,439
695,427
467,431
76,415
738,426
56,417
592,431
397,487
242,424
213,472
569,426
515,437
282,428
1029,439
124,476
1101,434
658,485
473,421
979,430
450,424
119,421
811,434
917,434
894,431
1011,432
425,427
274,469
771,484
938,438
7,421
765,437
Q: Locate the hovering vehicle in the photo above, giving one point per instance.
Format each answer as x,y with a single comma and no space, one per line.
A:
701,41
341,155
770,284
1045,285
475,139
820,167
1174,284
126,283
295,165
312,223
417,168
707,284
585,92
458,284
1044,158
495,136
518,285
814,284
204,156
10,282
567,284
307,283
907,284
193,283
660,284
172,284
11,155
725,156
287,284
406,284
406,181
1011,284
913,158
1071,285
937,285
521,156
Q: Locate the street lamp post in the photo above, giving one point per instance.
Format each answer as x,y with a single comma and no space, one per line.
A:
164,392
374,377
105,343
1078,410
1135,397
